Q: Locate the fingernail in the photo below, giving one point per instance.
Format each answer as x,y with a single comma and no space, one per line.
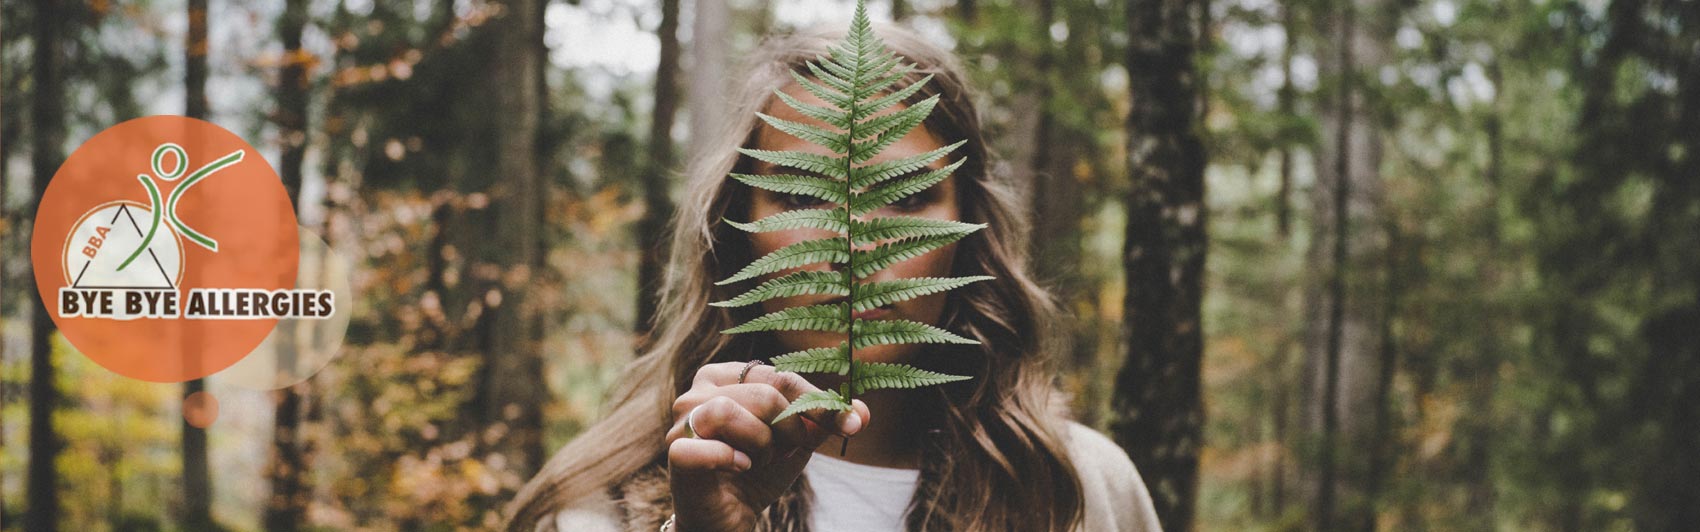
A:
741,460
853,424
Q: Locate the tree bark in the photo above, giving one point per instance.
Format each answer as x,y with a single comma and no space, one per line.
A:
1285,101
197,477
657,204
709,60
286,508
1056,195
1344,345
1380,439
511,393
1157,410
47,131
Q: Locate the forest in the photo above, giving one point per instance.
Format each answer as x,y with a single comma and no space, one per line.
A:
1329,264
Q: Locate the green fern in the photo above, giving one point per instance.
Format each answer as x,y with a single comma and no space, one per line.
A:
857,82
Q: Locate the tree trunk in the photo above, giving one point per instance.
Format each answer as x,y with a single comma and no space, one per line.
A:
657,204
1343,344
511,393
197,478
47,132
1157,410
1050,164
1285,100
710,57
1056,195
1379,441
286,508
1050,151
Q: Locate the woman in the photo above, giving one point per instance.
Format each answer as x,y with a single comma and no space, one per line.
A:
688,445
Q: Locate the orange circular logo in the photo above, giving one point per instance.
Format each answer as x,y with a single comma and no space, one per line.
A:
166,250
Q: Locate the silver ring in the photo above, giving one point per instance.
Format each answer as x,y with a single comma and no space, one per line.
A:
746,373
690,423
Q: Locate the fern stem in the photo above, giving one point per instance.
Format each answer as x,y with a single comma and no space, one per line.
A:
850,225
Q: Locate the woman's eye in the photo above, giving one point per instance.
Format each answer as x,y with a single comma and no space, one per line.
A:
912,202
799,201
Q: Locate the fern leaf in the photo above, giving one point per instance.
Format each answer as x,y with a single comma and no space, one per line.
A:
872,200
882,84
873,174
828,219
882,62
876,105
825,189
879,125
869,261
890,227
813,134
878,376
859,79
808,162
835,82
799,254
834,117
884,332
815,400
817,360
796,284
830,318
837,99
907,119
877,294
839,64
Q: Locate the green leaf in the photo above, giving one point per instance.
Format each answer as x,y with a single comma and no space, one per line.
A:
835,82
873,199
796,284
816,400
802,253
885,332
874,106
837,65
858,79
867,262
837,99
817,360
828,219
830,318
825,189
889,227
873,174
834,117
887,122
878,376
874,295
835,141
882,84
809,162
908,118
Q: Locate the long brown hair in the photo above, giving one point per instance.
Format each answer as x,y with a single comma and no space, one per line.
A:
996,460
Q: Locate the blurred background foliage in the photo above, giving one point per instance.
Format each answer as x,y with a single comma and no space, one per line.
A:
1452,278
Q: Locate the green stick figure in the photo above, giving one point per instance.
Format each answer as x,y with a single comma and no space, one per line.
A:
170,206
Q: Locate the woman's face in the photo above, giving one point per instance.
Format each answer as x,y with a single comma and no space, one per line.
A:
939,202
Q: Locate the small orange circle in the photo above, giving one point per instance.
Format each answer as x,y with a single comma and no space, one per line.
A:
200,409
113,235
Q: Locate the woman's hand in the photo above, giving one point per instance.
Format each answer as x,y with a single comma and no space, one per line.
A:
739,464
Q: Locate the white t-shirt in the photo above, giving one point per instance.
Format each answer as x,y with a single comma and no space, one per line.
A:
851,497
